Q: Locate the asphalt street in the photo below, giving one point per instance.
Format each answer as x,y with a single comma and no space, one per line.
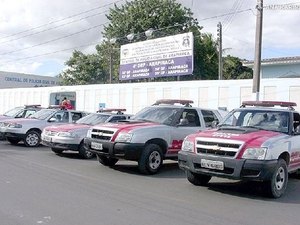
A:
40,187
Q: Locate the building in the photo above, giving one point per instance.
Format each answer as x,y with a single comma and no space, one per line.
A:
22,80
285,67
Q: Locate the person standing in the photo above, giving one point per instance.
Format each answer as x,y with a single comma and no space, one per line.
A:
66,104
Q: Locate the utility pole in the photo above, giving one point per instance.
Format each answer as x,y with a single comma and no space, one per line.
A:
219,34
110,64
258,43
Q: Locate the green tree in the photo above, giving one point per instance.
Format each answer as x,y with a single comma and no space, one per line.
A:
233,69
165,17
83,69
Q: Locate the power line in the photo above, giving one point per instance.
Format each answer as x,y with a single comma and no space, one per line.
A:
50,53
52,28
56,21
56,39
237,6
226,14
176,25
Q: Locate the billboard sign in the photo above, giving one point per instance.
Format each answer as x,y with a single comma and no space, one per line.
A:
161,57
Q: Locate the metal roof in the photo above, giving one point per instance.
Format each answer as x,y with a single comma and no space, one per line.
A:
275,61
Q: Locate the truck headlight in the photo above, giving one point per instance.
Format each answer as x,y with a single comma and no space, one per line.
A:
255,153
124,137
66,134
89,133
15,125
187,146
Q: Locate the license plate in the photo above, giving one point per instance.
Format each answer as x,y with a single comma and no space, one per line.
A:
97,146
48,139
210,164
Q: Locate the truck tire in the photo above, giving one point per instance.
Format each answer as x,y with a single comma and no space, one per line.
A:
84,153
151,159
275,187
197,179
32,138
107,161
57,150
13,141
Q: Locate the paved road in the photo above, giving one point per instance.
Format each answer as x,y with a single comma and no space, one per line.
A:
39,187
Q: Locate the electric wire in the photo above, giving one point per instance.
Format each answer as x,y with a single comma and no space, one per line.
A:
60,20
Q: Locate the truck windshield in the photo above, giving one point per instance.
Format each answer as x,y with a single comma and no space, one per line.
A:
164,115
260,119
93,119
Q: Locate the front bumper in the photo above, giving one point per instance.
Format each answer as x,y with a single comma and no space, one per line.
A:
65,143
242,169
129,151
63,146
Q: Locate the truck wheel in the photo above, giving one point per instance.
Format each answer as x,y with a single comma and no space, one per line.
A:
32,139
13,141
197,179
107,161
84,153
57,150
151,159
275,187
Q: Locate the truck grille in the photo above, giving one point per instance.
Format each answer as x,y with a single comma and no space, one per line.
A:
102,134
218,147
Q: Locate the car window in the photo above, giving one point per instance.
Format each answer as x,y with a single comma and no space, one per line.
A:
20,114
209,116
189,118
117,118
296,121
65,117
76,116
29,112
13,112
60,116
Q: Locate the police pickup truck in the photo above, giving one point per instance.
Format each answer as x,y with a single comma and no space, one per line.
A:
152,135
259,141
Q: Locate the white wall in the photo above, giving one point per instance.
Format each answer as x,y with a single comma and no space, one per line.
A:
135,96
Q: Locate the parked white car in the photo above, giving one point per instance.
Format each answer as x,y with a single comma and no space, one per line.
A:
18,112
71,136
29,130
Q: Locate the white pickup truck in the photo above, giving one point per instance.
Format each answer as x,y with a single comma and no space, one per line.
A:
152,135
259,141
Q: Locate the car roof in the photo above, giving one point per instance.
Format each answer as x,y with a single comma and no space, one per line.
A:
275,109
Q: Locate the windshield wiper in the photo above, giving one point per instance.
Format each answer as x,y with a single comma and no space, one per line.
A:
254,127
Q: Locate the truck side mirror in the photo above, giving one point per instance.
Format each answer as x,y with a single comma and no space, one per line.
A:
297,130
52,120
214,124
183,122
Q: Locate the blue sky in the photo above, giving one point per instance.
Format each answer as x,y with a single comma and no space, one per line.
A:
38,37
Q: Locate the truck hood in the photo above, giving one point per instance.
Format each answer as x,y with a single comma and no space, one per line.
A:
67,127
248,135
130,125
